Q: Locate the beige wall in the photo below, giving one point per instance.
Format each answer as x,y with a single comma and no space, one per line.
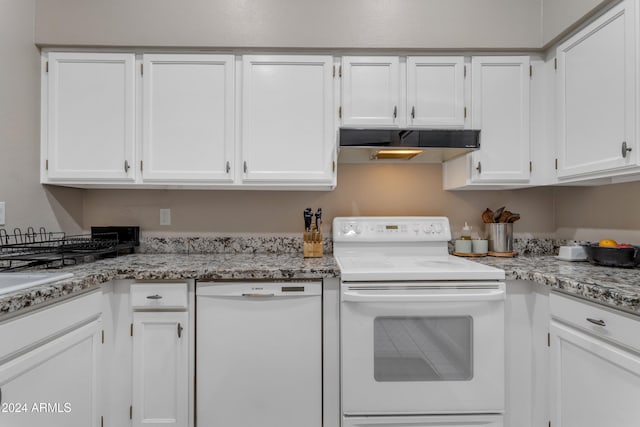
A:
27,202
364,189
292,23
560,15
594,213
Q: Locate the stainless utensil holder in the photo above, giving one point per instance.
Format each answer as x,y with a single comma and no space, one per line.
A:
500,236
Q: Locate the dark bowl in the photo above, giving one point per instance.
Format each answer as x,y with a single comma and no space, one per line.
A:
612,257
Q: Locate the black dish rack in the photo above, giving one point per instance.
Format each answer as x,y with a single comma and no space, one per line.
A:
20,250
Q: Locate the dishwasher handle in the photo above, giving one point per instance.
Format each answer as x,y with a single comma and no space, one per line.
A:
473,296
258,295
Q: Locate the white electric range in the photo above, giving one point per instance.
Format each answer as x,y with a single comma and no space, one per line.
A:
422,331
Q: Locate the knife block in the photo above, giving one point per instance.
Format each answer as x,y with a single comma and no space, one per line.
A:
312,242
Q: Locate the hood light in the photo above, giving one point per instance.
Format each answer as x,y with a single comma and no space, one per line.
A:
395,154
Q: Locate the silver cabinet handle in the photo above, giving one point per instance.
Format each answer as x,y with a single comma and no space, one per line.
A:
395,111
413,112
598,322
156,296
625,149
126,166
257,295
245,166
180,328
479,168
228,168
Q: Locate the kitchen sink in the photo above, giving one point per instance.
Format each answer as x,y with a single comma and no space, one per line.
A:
11,282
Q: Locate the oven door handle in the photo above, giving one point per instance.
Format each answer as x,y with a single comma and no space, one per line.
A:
487,295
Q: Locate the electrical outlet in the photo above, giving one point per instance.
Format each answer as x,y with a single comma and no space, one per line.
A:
165,216
2,213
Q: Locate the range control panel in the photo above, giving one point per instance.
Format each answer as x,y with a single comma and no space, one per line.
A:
391,229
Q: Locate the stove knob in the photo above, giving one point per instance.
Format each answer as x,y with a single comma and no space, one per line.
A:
345,228
439,228
358,229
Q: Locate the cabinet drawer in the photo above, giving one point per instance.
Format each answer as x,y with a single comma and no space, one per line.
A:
610,324
159,296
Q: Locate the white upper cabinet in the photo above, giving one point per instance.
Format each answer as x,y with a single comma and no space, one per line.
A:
188,118
596,96
500,109
435,91
288,125
89,120
371,91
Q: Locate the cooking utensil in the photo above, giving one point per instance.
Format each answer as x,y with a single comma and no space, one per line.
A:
612,257
487,216
308,215
513,218
318,218
496,217
504,216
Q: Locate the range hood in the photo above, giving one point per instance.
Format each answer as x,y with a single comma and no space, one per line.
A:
423,145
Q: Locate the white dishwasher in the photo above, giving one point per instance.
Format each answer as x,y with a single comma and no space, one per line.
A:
259,354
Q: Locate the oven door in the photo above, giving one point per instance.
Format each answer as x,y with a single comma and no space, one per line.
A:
430,348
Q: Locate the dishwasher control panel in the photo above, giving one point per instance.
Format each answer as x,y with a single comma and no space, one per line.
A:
391,229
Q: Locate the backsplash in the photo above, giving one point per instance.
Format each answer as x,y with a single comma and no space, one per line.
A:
226,244
524,246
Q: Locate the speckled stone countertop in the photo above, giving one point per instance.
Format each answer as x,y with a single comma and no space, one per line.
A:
615,287
171,267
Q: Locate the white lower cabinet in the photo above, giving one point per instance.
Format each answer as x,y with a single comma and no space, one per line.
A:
160,369
55,384
595,369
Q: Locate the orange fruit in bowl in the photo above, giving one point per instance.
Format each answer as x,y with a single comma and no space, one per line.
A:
608,243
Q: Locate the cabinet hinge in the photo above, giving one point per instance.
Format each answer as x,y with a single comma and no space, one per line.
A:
340,112
46,164
530,71
549,423
103,336
142,69
141,166
340,71
548,340
556,164
101,421
0,395
131,329
530,166
46,67
465,112
131,412
334,166
465,72
555,63
334,71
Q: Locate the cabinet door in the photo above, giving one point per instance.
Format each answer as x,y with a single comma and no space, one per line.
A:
370,90
596,95
188,125
89,119
54,385
160,369
288,129
500,109
593,383
435,91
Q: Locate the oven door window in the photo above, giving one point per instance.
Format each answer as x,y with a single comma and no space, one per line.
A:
423,348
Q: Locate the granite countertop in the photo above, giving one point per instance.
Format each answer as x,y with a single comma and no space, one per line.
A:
171,267
615,287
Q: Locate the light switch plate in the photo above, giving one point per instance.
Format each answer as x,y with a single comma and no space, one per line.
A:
165,216
2,213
